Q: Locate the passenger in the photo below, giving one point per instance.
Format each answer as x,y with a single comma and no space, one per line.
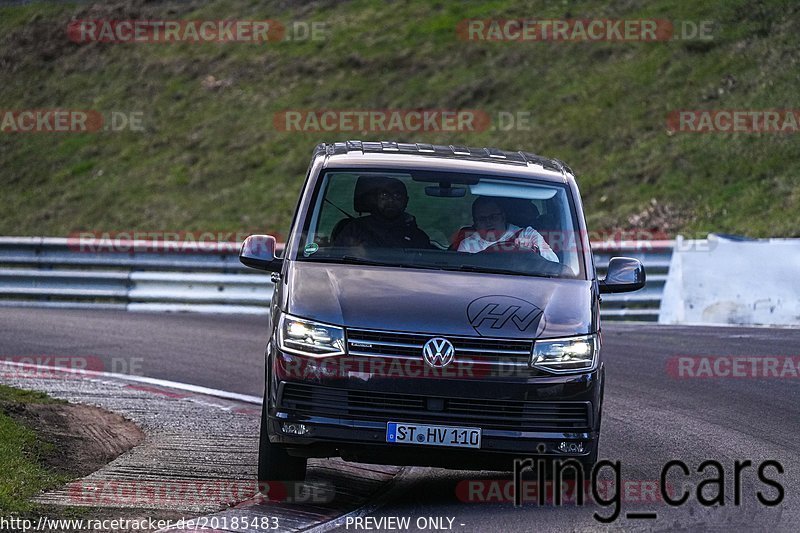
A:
489,221
388,225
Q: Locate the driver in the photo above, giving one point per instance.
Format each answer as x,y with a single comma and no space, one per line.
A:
489,221
388,225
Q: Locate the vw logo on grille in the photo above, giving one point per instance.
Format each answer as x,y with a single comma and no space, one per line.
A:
438,352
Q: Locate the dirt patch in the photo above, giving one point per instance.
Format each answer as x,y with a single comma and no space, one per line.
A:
659,217
84,438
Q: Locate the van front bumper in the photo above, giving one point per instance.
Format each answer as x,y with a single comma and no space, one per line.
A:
522,418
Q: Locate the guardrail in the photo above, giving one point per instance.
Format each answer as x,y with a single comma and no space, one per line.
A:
155,276
642,304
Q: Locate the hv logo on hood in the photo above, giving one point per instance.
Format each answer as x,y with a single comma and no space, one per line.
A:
490,315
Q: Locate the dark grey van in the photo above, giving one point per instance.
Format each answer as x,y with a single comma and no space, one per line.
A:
433,305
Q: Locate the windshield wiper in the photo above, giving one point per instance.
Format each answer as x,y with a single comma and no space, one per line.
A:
347,260
493,270
488,270
354,260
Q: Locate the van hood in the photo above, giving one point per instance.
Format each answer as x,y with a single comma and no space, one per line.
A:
438,302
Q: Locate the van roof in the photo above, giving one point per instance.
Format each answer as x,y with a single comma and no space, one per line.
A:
391,152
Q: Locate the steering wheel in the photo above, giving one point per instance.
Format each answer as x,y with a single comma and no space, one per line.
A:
507,246
523,256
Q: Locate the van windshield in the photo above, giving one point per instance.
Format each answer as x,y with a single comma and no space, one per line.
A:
444,221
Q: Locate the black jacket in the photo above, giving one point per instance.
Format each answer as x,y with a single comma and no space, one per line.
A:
374,231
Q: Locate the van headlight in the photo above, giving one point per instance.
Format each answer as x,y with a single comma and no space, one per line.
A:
306,337
573,354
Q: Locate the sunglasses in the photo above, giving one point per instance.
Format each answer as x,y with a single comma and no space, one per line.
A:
492,217
392,196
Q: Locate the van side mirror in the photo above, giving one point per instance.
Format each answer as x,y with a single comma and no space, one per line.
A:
624,274
258,251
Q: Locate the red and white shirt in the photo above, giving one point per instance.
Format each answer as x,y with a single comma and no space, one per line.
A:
524,238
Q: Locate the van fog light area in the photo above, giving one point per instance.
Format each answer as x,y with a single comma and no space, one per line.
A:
570,447
295,429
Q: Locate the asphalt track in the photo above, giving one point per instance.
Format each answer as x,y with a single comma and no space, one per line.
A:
216,351
650,417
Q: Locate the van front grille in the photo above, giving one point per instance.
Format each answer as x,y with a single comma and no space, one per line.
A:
479,351
315,400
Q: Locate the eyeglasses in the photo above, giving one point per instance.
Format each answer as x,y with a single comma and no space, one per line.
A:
492,217
386,195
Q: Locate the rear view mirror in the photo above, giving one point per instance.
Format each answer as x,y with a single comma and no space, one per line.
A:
445,190
258,251
624,274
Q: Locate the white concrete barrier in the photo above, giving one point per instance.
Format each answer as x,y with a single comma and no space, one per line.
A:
728,281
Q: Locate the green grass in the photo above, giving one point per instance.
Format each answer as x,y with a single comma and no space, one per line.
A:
23,474
10,395
210,159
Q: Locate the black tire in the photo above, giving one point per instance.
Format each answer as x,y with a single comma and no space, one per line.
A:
274,463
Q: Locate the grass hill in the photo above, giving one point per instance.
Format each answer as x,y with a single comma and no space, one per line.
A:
210,158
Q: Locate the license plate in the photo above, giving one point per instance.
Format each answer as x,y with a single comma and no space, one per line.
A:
459,437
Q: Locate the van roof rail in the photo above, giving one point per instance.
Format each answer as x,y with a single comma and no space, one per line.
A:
437,150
